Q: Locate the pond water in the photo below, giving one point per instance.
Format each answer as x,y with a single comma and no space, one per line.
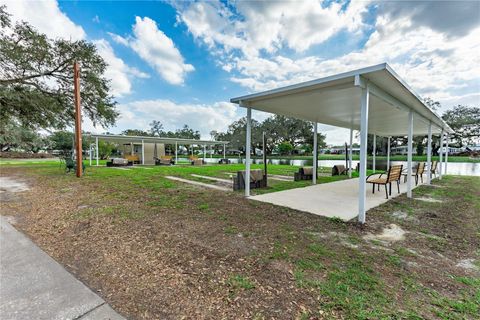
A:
457,168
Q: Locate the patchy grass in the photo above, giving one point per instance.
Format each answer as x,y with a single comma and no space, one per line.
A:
240,282
156,248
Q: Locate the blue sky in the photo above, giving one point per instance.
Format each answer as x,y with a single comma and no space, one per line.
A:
181,62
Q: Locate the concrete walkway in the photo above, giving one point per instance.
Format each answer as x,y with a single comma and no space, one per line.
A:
334,199
34,286
200,184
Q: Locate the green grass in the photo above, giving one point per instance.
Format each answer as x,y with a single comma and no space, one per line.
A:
345,281
240,282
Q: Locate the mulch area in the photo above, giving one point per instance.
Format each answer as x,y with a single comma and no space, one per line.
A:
178,260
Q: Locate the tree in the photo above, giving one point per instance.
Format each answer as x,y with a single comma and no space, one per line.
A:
156,128
36,79
434,105
465,121
187,133
134,132
105,149
13,136
285,148
284,129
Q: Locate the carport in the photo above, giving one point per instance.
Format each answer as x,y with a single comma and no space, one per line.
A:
372,100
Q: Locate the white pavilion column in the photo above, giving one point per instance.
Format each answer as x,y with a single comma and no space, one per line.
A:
409,154
90,155
374,151
204,152
388,153
315,152
362,194
224,151
176,152
248,142
350,154
96,149
446,152
440,162
429,153
143,152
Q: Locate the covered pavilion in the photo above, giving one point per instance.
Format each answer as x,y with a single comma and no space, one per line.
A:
142,141
372,100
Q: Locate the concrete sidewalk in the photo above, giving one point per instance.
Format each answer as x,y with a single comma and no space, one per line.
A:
34,286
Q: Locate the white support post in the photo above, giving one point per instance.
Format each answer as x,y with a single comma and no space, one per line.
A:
429,154
446,152
350,154
315,152
362,194
388,153
409,154
440,153
247,152
90,155
176,152
204,152
96,149
374,151
143,152
224,151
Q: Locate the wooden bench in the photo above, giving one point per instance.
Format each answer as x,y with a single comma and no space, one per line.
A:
304,173
258,179
339,169
392,175
417,172
195,161
164,161
133,159
119,162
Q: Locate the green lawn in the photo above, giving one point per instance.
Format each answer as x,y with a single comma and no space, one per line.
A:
156,248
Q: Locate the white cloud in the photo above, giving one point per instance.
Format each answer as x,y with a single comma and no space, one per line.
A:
433,45
269,25
202,117
46,16
157,49
118,72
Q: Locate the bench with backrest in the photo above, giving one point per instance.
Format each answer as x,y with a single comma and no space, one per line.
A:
339,169
195,161
433,169
417,172
392,175
304,173
71,165
257,180
164,161
134,159
118,162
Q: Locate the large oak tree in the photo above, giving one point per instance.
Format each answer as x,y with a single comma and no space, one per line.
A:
36,79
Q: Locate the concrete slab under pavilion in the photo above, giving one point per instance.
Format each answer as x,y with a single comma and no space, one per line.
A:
335,199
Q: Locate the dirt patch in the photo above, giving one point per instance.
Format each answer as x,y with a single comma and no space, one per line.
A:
392,233
154,249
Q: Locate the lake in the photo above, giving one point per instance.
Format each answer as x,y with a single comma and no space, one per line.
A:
456,168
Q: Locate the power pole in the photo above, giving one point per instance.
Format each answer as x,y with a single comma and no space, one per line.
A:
78,119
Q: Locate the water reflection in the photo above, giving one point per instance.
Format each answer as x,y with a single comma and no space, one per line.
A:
457,168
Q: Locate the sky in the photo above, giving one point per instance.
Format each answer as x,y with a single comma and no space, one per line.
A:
181,62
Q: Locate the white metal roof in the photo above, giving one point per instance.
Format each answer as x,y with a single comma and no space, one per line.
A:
148,139
335,100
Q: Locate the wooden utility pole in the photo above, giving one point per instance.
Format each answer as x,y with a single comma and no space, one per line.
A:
78,119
